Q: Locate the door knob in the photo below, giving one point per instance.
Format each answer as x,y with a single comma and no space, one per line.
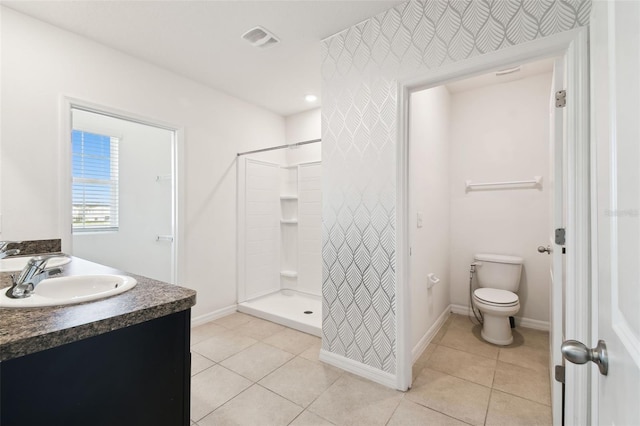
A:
577,353
543,249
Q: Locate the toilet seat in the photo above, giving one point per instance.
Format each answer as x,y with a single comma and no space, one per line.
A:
496,297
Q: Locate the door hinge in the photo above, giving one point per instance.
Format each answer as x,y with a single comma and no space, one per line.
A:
560,236
559,373
561,98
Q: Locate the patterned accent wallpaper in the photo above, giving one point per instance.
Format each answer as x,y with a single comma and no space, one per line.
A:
360,68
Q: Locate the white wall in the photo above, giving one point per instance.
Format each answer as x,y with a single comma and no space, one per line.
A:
145,208
41,63
429,147
304,126
501,133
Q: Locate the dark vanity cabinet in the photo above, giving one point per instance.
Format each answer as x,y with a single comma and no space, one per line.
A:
137,375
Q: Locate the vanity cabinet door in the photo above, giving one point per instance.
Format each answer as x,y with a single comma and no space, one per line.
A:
137,375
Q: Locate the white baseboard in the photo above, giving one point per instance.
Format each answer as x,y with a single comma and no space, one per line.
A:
201,319
520,321
359,369
459,309
531,323
429,335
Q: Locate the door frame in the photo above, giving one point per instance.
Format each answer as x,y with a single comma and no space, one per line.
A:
573,46
68,103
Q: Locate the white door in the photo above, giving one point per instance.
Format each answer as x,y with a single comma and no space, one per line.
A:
556,127
616,102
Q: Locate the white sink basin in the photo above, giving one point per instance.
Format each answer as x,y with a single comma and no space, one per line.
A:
13,264
70,290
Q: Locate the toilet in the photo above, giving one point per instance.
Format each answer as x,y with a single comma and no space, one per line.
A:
498,278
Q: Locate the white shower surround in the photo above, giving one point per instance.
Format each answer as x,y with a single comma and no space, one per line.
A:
360,70
279,241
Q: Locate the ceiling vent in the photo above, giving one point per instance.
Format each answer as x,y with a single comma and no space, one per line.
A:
260,37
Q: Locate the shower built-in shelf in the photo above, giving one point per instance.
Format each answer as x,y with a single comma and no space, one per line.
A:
289,221
289,197
289,274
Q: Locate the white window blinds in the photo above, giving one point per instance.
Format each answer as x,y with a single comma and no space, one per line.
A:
95,182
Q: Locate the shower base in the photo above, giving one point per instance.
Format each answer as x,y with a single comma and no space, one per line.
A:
288,307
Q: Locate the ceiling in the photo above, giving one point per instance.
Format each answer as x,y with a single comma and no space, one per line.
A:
511,74
201,40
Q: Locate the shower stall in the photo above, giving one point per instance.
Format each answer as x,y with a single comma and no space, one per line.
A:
279,235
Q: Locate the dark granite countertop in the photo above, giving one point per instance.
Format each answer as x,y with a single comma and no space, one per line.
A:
27,330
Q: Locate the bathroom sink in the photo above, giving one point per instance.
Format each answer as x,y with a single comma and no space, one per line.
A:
13,264
70,290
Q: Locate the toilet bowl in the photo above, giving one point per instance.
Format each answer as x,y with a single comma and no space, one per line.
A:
498,280
496,309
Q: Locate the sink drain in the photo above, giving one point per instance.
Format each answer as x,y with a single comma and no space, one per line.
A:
308,312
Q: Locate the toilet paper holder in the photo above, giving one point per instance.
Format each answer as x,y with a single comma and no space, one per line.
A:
433,280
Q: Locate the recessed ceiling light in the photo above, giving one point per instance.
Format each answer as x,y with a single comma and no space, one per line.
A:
310,98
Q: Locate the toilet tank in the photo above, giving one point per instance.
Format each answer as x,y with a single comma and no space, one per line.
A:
498,271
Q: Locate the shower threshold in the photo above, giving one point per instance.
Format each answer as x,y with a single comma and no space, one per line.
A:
290,308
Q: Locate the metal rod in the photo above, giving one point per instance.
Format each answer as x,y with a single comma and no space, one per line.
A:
293,145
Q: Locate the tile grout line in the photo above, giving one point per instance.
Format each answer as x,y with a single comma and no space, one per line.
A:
203,356
462,350
227,401
526,368
520,396
314,400
459,378
486,413
395,409
280,396
494,368
230,399
296,417
438,411
214,364
495,371
491,388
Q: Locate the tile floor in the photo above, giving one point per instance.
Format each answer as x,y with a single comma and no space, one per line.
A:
247,371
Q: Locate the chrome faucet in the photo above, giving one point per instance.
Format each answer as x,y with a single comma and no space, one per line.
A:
33,273
4,249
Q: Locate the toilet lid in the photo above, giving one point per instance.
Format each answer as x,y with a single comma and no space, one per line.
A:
495,296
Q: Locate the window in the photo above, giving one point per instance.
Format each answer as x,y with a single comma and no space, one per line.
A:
95,182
